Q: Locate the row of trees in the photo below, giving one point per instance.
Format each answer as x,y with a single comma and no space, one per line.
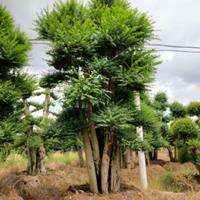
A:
99,59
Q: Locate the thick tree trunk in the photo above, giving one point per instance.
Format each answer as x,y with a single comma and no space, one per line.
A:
40,160
106,164
141,155
115,169
90,162
32,161
80,156
94,141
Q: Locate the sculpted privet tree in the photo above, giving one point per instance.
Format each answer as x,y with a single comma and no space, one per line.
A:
102,47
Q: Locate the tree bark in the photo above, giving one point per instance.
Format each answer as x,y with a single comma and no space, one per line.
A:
105,164
128,158
94,141
46,103
141,155
31,153
171,157
133,156
90,162
115,169
80,155
155,154
40,160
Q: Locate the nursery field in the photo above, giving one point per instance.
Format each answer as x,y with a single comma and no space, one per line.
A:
65,180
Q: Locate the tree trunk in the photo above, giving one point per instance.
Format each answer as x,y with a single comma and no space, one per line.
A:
133,156
128,158
115,169
105,164
141,155
171,157
155,154
94,141
31,153
147,159
122,160
90,162
175,153
40,160
80,156
46,103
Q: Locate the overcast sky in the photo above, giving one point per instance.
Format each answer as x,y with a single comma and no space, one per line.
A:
176,21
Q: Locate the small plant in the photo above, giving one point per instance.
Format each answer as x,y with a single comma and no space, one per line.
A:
167,181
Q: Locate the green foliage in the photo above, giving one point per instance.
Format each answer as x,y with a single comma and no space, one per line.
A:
34,141
184,155
64,133
194,108
26,85
114,116
160,101
14,45
177,110
101,46
8,98
52,79
86,90
184,129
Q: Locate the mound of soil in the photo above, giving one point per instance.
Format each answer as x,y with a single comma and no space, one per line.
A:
51,186
70,183
186,169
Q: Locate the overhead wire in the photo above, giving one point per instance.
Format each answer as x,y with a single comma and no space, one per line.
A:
170,47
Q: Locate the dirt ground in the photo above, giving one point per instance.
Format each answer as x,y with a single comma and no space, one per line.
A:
70,183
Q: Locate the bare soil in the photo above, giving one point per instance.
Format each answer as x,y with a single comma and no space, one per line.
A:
71,183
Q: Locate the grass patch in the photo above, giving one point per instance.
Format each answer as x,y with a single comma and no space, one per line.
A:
13,163
171,182
68,158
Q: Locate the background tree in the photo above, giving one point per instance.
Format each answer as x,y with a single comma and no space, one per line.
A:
184,131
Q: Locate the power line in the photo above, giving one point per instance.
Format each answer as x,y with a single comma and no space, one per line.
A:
178,51
173,46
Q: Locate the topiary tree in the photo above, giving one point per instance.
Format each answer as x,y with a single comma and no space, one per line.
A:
177,110
103,51
193,109
184,131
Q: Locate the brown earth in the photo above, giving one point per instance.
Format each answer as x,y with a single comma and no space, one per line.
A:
70,183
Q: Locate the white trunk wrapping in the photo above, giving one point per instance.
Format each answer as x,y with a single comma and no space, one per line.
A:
141,154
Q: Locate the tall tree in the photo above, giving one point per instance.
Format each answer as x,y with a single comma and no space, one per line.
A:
102,47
